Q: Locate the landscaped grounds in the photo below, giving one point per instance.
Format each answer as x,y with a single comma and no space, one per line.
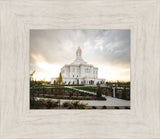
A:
47,96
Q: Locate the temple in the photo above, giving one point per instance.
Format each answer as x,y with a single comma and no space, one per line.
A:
79,72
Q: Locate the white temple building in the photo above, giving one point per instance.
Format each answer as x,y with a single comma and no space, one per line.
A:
79,72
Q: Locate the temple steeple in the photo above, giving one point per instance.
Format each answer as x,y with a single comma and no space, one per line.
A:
79,59
79,53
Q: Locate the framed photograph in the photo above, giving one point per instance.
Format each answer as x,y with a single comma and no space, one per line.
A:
79,69
79,84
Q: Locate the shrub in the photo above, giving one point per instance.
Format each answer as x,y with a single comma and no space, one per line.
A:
94,107
127,108
83,106
75,105
55,103
99,92
70,106
116,107
35,104
101,98
104,107
65,104
51,104
124,93
41,101
48,104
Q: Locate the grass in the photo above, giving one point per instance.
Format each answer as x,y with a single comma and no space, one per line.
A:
86,88
62,89
77,91
41,86
70,89
73,98
45,87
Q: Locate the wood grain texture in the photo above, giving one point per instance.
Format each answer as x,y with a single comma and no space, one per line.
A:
17,17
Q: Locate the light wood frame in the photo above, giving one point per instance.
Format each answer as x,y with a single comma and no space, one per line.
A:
17,17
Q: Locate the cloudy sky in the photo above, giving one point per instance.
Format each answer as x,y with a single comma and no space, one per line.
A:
109,50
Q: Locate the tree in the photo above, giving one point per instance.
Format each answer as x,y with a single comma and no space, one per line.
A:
99,91
59,80
31,75
55,82
124,93
118,83
97,83
60,77
32,82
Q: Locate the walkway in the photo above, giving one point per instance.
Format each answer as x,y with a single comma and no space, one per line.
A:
80,90
110,101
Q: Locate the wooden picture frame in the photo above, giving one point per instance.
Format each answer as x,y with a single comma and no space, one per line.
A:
16,20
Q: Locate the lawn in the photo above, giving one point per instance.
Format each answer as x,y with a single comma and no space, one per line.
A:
62,93
44,86
62,89
91,89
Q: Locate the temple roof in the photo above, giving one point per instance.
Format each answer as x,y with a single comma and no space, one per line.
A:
79,48
79,60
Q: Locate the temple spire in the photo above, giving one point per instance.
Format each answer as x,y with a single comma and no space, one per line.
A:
79,53
79,59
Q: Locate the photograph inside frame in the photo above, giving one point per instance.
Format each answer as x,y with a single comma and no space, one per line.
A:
80,69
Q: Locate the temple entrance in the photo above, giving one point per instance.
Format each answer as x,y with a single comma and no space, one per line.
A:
91,82
77,81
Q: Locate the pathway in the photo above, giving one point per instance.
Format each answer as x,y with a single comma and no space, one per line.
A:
109,102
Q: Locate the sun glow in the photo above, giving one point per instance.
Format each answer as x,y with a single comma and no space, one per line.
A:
112,73
47,71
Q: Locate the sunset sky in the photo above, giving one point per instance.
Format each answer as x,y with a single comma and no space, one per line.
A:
109,50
